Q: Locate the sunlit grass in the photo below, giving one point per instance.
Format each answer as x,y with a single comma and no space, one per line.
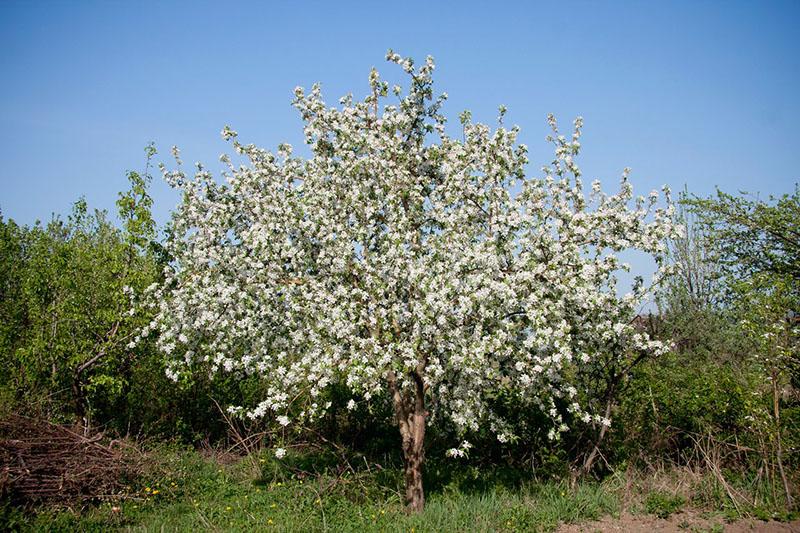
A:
196,494
188,492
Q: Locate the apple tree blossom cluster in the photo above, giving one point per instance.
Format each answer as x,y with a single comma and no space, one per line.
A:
399,260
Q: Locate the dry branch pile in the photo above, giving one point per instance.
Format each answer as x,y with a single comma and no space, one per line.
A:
45,462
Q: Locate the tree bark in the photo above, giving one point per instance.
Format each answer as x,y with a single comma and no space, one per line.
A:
411,420
414,458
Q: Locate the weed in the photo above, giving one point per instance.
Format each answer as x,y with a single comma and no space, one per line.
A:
663,504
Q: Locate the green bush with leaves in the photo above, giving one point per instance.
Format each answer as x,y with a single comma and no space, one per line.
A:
67,289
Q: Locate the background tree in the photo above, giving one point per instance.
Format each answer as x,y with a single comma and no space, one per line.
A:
765,306
759,244
67,313
754,236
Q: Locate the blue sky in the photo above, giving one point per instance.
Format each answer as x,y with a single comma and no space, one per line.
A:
695,93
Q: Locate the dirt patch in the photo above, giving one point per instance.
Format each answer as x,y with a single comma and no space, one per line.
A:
680,522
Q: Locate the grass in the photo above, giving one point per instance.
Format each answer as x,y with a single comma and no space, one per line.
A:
191,493
663,504
186,491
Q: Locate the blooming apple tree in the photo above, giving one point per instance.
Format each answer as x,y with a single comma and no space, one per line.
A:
400,261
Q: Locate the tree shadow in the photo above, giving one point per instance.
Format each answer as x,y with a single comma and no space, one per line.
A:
442,476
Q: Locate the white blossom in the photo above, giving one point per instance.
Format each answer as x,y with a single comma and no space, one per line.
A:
397,256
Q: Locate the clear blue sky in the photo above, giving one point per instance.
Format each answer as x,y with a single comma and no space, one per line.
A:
697,93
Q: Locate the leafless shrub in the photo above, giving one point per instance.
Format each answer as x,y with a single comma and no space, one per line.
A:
45,462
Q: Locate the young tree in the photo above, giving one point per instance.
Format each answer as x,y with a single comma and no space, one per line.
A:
758,244
405,263
66,316
754,236
766,303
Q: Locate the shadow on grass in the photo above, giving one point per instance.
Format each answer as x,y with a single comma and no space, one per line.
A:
440,476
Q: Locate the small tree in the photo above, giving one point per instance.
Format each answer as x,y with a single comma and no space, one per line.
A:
753,236
404,263
66,319
758,244
766,305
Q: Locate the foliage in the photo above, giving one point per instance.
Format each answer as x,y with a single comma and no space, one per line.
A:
662,504
759,244
754,236
66,308
673,399
72,314
697,280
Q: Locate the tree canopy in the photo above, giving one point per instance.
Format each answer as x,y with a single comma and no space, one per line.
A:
406,265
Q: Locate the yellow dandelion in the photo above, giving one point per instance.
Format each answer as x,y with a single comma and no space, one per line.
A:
273,506
155,492
269,521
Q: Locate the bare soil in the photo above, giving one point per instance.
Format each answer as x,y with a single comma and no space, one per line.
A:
679,522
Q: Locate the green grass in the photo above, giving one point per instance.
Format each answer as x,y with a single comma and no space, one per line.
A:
185,491
662,504
190,493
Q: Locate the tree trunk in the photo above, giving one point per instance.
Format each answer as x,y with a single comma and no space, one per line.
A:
588,463
414,457
79,400
415,494
411,420
776,403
